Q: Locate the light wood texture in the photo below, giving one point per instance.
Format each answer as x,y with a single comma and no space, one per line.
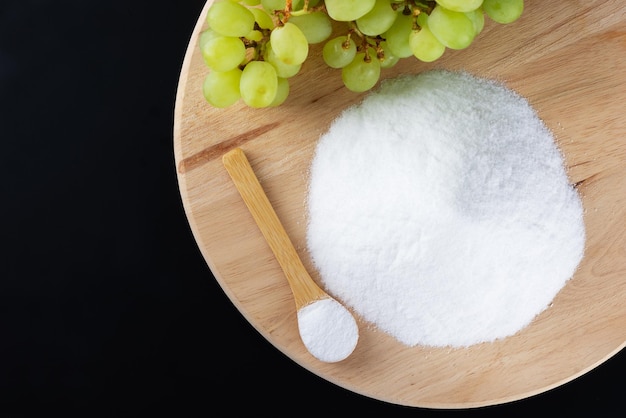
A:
304,289
568,59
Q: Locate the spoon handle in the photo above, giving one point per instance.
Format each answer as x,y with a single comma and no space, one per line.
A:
304,289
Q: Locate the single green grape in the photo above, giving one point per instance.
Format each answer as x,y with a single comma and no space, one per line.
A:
339,52
503,11
315,26
422,20
289,44
453,29
206,36
255,35
283,69
361,74
223,53
262,18
425,46
348,10
478,19
259,84
397,36
221,89
460,5
378,20
230,19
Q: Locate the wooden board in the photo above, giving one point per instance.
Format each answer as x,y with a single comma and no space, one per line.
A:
567,58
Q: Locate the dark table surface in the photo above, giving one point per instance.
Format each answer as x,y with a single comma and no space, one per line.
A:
107,307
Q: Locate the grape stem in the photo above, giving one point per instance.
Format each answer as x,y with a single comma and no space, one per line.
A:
366,42
346,43
288,9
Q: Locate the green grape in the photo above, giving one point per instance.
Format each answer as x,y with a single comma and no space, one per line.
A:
460,5
230,19
397,36
503,11
255,35
258,84
282,91
283,70
422,20
478,19
289,44
348,10
223,53
339,52
425,46
378,20
263,19
206,36
389,59
262,80
361,74
453,29
221,89
315,26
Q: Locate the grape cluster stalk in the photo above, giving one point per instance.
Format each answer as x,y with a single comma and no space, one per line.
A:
253,47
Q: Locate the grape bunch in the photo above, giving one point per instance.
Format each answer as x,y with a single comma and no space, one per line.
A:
253,47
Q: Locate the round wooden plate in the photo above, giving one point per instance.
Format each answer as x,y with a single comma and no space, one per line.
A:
568,59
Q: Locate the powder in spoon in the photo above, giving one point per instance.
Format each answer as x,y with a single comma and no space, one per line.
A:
440,210
328,330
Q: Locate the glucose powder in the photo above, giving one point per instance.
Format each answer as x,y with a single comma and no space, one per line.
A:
439,210
328,330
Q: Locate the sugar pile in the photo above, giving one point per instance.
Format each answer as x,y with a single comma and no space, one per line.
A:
439,209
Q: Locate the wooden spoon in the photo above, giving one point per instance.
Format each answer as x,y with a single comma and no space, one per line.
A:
327,328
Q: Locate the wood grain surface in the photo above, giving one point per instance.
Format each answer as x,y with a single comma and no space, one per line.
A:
567,58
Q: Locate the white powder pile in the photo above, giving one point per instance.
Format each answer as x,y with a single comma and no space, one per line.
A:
328,330
440,211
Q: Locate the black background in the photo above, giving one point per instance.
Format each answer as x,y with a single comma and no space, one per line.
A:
107,307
